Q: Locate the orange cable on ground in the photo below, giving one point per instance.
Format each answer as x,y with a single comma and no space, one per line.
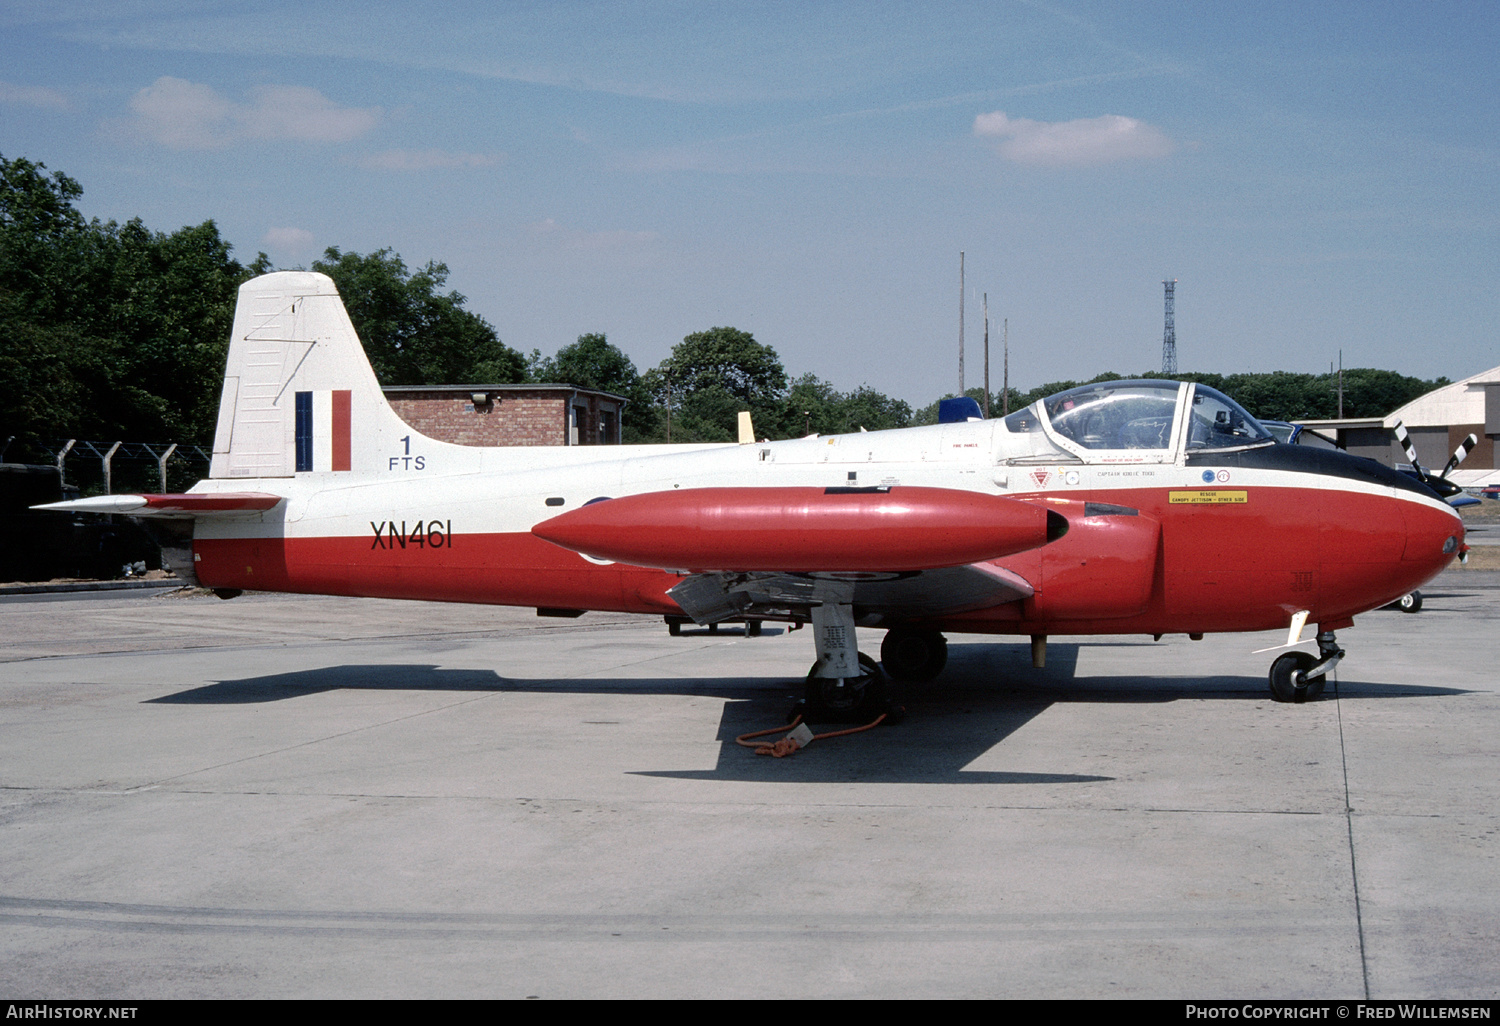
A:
787,745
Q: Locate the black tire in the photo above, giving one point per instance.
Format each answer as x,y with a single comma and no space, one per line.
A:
845,694
913,654
752,628
1283,677
674,627
1410,603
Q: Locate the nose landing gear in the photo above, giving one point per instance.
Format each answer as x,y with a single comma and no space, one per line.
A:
1299,676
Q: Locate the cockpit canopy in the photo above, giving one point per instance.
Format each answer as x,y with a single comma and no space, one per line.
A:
1133,421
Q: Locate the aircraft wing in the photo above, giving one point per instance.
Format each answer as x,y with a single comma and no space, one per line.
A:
176,506
708,598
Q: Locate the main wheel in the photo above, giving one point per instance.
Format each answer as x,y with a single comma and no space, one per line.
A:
844,694
1411,603
1284,678
913,653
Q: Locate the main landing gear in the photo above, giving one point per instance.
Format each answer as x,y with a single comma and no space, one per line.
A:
1299,676
844,685
913,653
840,697
1408,603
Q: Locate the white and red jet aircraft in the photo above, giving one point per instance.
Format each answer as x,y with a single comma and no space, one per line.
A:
1123,507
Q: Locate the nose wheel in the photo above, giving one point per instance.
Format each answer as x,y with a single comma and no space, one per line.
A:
1289,680
1300,676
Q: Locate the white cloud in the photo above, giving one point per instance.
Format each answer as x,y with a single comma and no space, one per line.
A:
32,96
294,242
186,115
1100,140
423,160
297,112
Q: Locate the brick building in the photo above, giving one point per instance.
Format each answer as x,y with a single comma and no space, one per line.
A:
547,414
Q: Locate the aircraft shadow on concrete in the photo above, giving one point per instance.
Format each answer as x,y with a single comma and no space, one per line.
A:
987,693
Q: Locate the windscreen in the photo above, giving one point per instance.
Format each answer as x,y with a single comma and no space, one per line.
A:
1218,422
1115,414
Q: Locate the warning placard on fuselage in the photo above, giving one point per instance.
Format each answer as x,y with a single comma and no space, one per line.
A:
1206,496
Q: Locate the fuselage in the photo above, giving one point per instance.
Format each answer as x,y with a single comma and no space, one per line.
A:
1180,534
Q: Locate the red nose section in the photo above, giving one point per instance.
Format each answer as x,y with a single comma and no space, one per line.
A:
1433,536
803,530
1376,549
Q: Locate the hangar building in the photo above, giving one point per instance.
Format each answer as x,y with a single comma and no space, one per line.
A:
1437,423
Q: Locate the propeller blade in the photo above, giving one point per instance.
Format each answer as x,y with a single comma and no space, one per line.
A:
1411,450
1460,454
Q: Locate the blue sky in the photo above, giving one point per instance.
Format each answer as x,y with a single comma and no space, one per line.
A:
1316,176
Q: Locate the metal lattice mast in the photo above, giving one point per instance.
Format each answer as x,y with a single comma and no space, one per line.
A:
1169,335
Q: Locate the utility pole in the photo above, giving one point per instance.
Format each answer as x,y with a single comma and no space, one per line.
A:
960,322
1341,384
1005,385
986,356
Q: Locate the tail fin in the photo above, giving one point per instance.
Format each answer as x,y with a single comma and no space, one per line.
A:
299,394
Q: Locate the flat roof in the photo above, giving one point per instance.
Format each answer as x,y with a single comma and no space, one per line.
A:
1346,422
543,386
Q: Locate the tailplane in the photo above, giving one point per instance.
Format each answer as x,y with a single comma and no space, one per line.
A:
299,394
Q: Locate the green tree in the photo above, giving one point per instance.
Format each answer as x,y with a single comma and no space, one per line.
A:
171,300
42,237
710,377
874,411
593,362
413,332
107,330
812,404
810,407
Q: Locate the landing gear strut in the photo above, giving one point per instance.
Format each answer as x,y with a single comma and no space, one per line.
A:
1299,676
913,653
844,684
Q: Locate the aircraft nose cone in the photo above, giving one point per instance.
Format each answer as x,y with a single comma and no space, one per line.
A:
1433,536
1382,549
